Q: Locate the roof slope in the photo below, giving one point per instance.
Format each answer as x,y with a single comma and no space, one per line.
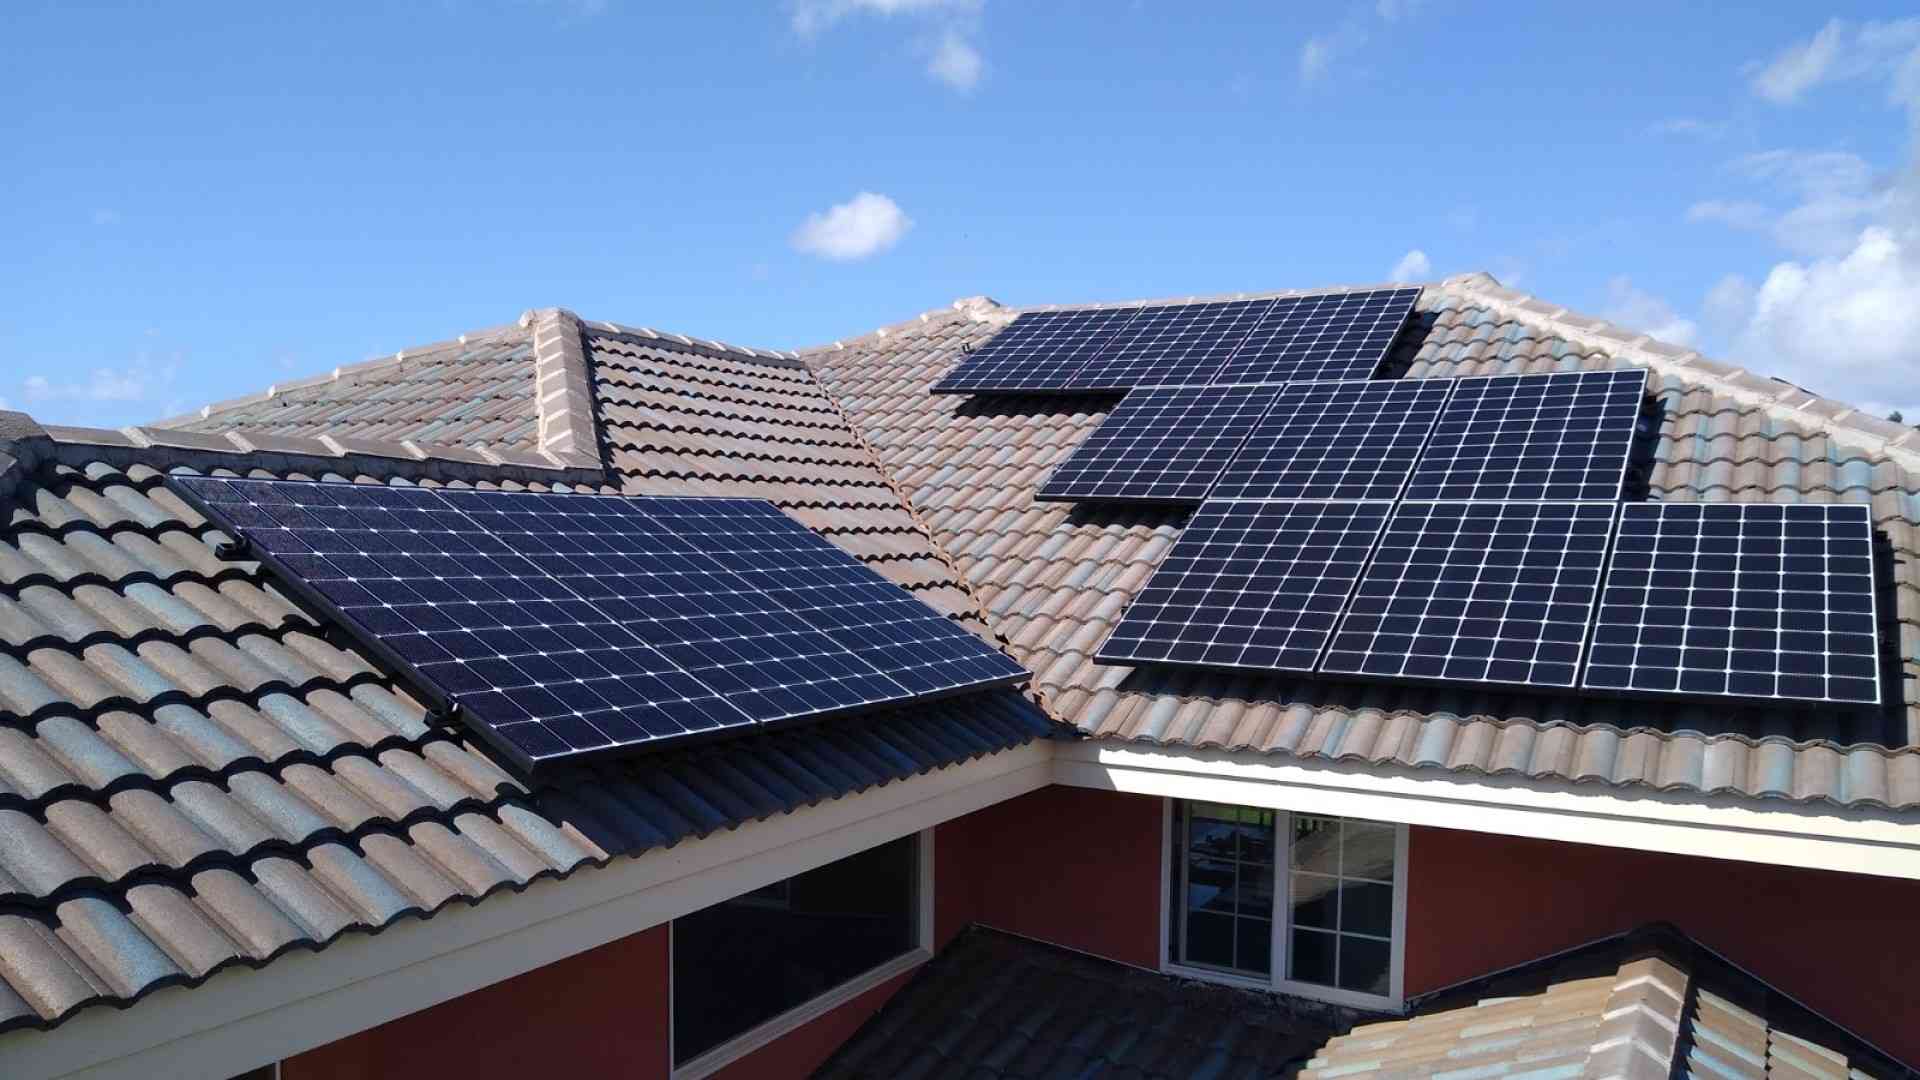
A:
1642,1006
194,773
1055,577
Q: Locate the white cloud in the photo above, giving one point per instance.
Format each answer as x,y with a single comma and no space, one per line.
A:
953,57
864,225
1633,307
1737,213
1413,266
1316,56
143,380
1395,10
1690,127
1844,50
1322,51
956,62
1834,195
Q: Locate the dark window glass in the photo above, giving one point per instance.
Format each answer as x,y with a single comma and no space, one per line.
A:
1223,867
745,961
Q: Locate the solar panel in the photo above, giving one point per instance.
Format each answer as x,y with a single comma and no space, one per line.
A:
1321,337
1550,437
1477,592
1036,353
1740,599
1335,440
566,625
1249,585
1171,344
1160,445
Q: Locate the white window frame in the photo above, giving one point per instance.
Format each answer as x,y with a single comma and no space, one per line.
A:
1394,999
767,1031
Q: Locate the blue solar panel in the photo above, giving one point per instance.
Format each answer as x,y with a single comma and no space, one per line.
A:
568,625
1549,437
1478,593
1171,344
1249,585
1747,600
1038,352
1320,337
1160,445
1335,440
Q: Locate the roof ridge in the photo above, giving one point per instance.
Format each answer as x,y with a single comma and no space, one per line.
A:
723,349
563,389
343,371
1777,397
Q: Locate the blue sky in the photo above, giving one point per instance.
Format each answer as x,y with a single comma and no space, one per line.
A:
204,199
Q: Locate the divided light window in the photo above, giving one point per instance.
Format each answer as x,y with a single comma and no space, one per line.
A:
1310,905
745,967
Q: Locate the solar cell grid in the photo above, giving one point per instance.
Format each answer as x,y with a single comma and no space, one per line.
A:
1477,592
569,624
1039,351
1249,585
1171,344
1321,337
1335,440
1160,445
1565,436
1740,599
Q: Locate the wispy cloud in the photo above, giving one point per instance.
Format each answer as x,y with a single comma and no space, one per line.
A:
1840,313
864,225
1322,53
147,379
1413,266
1688,127
947,41
1631,306
1841,50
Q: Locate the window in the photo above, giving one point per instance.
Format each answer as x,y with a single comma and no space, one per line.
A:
1307,904
762,956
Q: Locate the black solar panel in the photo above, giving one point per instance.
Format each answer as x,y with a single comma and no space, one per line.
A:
1038,352
1321,337
1335,440
1550,437
1249,585
1172,344
1740,599
1477,592
564,625
1160,445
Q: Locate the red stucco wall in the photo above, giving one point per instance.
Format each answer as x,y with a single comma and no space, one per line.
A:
1844,944
600,1013
1073,866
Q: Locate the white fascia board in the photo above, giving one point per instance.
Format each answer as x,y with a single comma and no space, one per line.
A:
1822,837
243,1018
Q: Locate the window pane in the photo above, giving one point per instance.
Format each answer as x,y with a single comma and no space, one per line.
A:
744,961
1364,965
1316,844
1316,900
1254,951
1210,886
1366,908
1213,838
1312,959
1210,940
1369,850
1256,891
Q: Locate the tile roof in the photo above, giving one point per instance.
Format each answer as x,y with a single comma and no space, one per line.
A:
1648,1005
194,773
1055,577
994,1005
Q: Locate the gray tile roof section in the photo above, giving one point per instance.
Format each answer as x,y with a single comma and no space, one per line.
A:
1054,578
194,773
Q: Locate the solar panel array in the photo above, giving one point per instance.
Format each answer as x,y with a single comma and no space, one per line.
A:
567,625
1335,440
1220,343
1742,599
1477,592
1250,585
1160,445
1548,437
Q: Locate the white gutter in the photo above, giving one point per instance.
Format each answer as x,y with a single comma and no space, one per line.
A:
1822,837
243,1018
